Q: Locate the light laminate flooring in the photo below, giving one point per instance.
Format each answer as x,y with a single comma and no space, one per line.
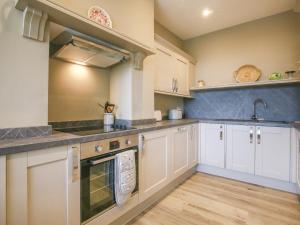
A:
210,200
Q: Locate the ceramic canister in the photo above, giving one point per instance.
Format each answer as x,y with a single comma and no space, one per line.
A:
109,119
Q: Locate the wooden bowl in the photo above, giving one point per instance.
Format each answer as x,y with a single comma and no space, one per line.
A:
247,73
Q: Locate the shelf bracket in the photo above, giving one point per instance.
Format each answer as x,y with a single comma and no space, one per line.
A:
34,23
138,60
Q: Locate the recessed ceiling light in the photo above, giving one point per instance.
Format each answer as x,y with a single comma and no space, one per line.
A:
206,12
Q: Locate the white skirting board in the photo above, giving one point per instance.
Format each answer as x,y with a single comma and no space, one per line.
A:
248,178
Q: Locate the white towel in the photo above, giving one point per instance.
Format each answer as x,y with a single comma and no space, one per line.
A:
125,176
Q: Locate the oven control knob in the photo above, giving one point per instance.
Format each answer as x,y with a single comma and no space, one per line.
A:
128,142
98,148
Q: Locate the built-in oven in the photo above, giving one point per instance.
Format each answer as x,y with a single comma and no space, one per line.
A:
98,177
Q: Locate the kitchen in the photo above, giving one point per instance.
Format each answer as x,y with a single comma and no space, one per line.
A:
121,112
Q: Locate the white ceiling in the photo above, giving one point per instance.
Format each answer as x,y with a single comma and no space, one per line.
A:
184,17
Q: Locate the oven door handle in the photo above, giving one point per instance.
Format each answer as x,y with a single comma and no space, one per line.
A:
95,162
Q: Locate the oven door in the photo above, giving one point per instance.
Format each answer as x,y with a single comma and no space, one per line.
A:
97,186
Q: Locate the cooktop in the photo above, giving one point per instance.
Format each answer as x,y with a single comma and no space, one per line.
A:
91,130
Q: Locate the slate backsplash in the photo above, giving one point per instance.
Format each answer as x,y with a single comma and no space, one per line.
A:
283,103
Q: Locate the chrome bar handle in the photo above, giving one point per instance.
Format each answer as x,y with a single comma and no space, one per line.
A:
251,135
221,133
173,84
142,143
258,135
96,162
176,85
75,163
105,159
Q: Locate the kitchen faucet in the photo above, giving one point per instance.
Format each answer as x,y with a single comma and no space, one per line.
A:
257,101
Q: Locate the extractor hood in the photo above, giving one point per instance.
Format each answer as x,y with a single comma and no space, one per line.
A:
78,48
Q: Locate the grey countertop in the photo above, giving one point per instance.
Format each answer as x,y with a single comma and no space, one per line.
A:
249,122
12,146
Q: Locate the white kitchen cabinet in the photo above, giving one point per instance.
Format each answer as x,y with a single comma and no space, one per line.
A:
43,187
180,153
192,75
193,145
171,72
181,76
298,158
154,162
240,148
3,190
164,156
212,145
164,73
273,151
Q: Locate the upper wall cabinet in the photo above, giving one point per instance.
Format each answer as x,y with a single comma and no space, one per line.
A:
172,72
164,79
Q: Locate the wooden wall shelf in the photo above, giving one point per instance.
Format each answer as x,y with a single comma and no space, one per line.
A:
250,84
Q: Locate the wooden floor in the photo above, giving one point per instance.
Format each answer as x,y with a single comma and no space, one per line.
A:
211,200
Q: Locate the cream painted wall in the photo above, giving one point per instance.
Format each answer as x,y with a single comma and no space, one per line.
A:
272,44
133,90
167,35
134,18
75,91
121,90
166,102
23,73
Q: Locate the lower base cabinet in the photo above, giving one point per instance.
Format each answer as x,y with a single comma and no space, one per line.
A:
154,162
193,145
43,188
240,154
180,151
164,156
3,190
273,152
298,158
257,150
212,142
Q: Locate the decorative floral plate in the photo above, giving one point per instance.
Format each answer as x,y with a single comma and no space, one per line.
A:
100,16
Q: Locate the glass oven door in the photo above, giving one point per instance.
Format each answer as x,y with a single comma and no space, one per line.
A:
97,186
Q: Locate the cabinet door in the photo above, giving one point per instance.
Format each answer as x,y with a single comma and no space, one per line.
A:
164,75
273,152
3,190
193,145
40,190
240,148
298,160
181,76
154,163
180,151
192,75
212,144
